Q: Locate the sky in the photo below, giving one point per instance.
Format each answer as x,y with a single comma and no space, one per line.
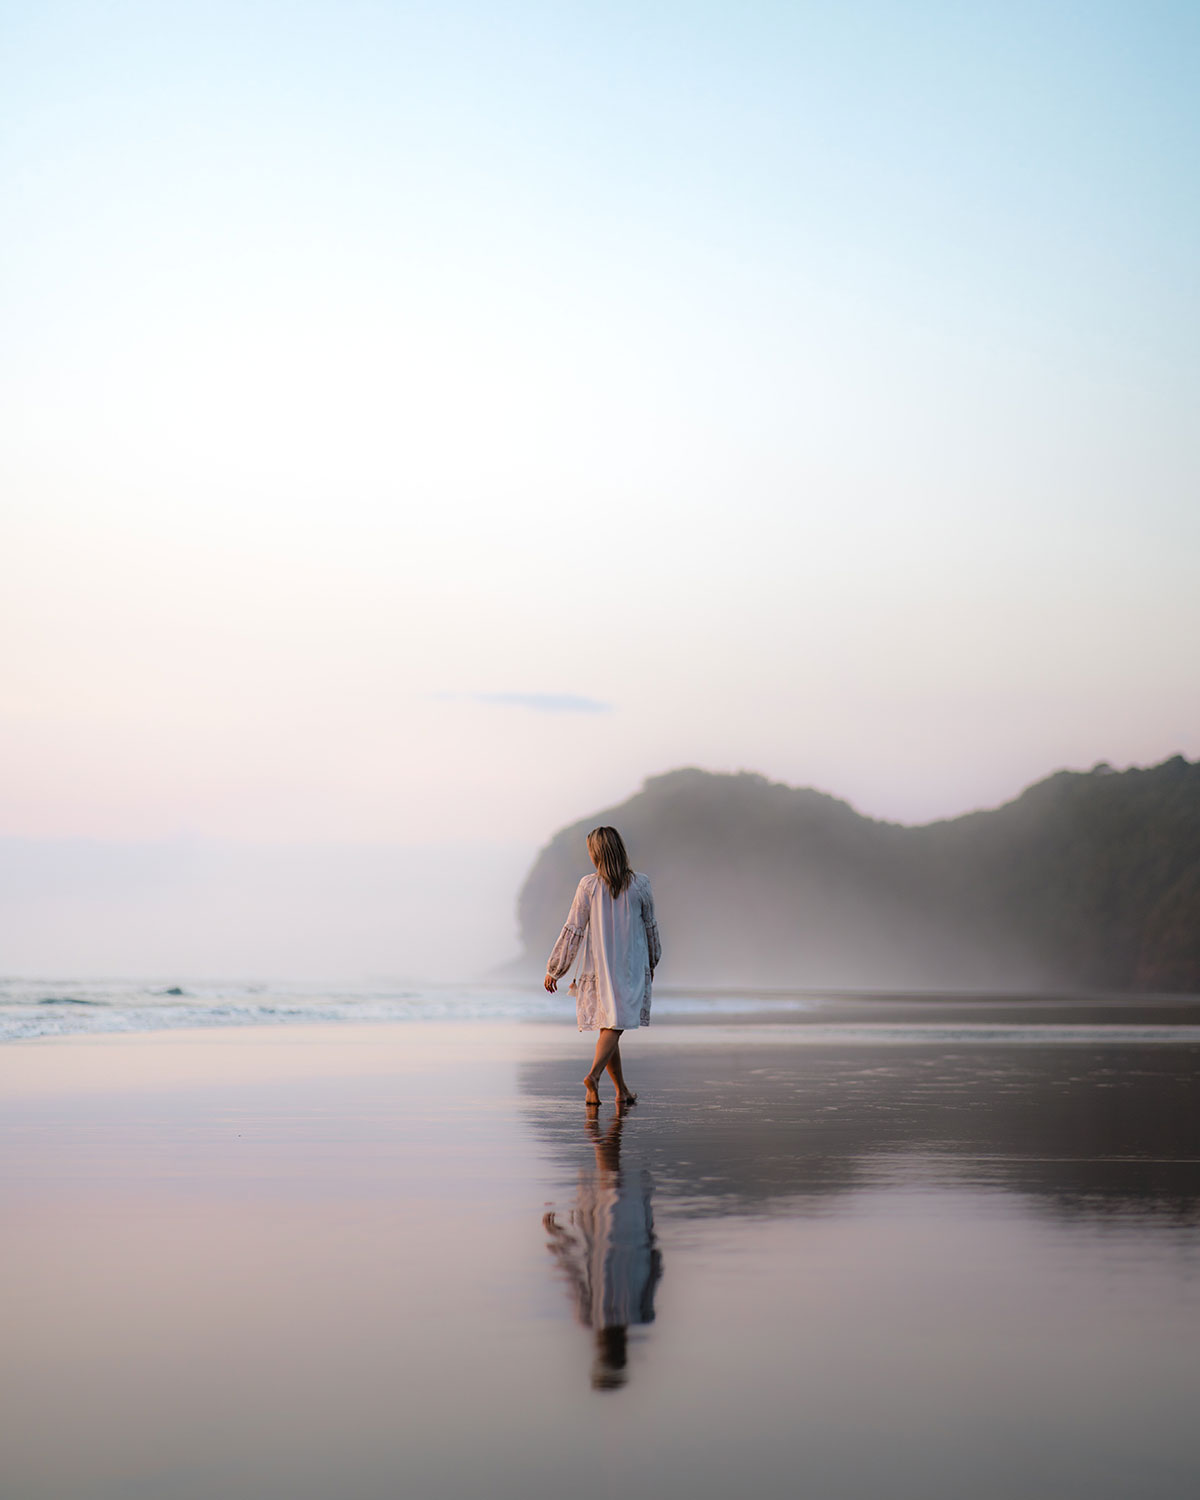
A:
424,422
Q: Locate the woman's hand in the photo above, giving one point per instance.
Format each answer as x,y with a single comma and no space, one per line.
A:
551,983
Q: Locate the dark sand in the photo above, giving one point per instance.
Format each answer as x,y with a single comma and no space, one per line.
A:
873,1260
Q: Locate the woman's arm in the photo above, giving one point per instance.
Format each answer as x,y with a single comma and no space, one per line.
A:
564,951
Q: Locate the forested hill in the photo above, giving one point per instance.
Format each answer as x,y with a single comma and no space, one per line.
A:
1086,881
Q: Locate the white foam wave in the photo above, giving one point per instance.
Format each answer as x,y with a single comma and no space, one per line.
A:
39,1008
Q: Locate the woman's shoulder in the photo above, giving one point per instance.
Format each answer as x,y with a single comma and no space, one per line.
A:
588,882
641,880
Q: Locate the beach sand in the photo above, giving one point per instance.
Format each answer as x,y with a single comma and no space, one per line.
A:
368,1261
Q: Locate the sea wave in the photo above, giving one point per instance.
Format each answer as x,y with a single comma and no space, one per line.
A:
39,1008
44,1008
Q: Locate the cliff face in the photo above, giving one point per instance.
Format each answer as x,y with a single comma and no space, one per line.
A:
1086,880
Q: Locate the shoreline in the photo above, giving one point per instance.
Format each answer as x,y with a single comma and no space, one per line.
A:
27,1014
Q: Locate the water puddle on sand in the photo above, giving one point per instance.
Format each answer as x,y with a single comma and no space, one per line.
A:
406,1262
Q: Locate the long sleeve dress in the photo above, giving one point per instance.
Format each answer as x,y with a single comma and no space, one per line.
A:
621,951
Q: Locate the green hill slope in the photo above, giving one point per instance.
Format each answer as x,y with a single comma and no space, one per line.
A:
1085,881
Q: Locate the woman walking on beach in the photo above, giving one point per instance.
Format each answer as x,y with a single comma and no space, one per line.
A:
613,917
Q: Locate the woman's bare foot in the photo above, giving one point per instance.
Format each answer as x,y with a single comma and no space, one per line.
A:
626,1099
591,1097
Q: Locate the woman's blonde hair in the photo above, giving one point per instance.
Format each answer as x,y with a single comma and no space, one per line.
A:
607,849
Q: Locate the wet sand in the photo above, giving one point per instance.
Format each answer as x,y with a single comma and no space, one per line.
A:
402,1260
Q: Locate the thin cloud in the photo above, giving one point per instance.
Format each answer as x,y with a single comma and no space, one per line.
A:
540,703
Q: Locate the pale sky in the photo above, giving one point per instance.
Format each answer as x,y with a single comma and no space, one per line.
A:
423,422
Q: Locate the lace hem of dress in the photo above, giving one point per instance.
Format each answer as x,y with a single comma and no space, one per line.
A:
587,1003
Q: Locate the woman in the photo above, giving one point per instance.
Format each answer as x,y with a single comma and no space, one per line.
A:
613,916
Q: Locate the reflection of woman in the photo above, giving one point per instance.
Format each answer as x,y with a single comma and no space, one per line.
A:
613,917
607,1249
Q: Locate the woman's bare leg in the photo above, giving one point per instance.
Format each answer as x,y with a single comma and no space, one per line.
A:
606,1045
624,1095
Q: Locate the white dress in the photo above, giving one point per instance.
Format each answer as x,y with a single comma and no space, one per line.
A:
620,953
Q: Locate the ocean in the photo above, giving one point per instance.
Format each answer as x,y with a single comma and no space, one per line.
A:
73,1007
31,1008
